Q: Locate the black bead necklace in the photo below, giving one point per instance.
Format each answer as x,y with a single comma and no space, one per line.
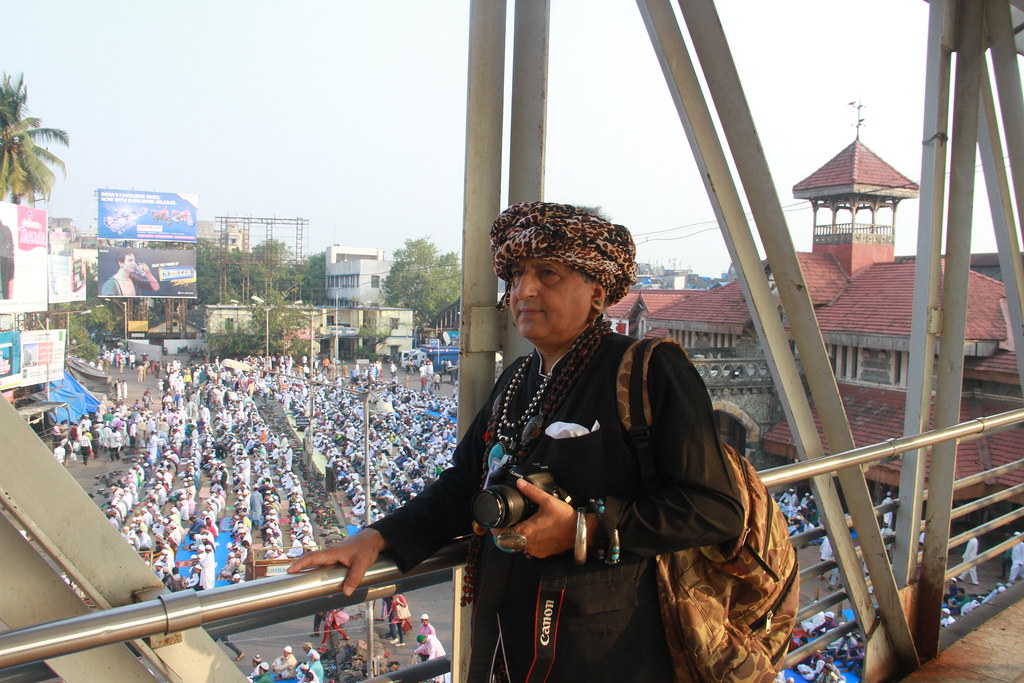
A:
501,431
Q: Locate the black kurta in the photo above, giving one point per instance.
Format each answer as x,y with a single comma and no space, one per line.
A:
609,625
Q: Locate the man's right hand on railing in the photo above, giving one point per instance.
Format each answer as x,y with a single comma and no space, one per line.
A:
356,552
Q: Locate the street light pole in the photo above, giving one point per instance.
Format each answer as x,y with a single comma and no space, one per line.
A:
368,516
266,325
124,305
311,355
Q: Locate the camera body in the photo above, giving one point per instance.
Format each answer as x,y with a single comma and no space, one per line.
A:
501,504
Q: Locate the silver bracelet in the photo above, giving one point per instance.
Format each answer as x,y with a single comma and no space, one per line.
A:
580,547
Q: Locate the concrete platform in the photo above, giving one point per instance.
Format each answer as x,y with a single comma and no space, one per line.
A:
990,650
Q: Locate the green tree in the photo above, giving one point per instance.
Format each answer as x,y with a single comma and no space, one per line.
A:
25,174
211,262
423,279
373,335
314,278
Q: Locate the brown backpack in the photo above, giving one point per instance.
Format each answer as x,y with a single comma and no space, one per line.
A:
729,609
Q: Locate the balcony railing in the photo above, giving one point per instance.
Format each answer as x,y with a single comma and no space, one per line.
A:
245,606
733,372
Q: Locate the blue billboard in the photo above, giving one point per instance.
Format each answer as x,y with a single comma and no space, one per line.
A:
152,216
10,360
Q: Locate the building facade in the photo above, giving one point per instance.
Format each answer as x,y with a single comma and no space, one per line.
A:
863,300
355,276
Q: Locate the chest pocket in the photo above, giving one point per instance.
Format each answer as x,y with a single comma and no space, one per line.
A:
577,464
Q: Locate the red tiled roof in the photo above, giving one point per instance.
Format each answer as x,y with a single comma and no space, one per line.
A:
622,307
879,300
876,300
1000,363
877,414
823,275
856,169
723,304
656,333
657,300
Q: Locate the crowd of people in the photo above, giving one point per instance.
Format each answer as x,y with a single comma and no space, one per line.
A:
205,472
412,434
203,425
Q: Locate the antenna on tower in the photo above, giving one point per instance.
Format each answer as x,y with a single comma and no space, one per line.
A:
860,121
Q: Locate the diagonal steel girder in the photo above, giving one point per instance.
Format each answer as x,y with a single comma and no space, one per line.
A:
950,362
1011,108
894,651
925,316
975,123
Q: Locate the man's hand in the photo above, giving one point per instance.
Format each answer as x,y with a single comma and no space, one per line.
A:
357,553
549,531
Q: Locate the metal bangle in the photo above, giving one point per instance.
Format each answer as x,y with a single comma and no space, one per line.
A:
580,547
612,556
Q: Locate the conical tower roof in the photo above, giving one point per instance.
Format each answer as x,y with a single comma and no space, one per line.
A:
856,170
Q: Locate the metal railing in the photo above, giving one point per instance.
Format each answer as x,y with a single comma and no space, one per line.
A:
244,606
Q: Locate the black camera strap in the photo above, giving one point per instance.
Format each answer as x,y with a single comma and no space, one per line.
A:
548,610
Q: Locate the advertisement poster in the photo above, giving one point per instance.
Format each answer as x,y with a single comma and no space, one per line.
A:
23,259
129,272
67,272
154,216
10,360
42,355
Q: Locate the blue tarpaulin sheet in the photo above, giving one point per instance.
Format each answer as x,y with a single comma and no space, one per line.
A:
78,398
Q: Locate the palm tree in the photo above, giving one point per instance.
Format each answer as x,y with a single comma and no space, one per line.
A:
25,174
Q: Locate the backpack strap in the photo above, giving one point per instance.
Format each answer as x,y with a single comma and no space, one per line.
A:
634,403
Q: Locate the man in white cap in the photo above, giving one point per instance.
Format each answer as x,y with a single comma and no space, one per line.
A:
1016,558
208,565
425,628
971,552
285,665
257,660
825,554
262,673
887,517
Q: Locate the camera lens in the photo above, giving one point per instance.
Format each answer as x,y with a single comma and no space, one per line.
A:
499,506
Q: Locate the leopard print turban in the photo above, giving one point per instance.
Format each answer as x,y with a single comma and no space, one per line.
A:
564,233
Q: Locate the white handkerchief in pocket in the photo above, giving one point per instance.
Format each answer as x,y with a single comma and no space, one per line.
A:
569,430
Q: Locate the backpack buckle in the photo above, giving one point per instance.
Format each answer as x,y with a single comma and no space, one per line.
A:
641,436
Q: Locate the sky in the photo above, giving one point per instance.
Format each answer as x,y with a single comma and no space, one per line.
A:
351,114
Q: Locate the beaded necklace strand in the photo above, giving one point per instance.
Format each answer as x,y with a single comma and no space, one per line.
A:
501,429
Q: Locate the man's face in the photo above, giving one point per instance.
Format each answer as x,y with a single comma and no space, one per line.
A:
551,303
129,262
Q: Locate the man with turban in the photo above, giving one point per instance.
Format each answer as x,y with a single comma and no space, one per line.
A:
567,590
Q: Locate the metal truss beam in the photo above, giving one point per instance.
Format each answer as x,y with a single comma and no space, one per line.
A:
894,649
71,537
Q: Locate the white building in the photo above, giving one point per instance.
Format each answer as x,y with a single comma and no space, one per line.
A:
355,276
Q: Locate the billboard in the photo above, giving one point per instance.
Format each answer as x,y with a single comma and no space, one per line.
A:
141,272
10,360
67,272
152,216
42,356
23,259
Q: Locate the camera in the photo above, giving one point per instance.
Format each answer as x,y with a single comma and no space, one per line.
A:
501,504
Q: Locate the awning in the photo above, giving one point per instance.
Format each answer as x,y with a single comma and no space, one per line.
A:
34,412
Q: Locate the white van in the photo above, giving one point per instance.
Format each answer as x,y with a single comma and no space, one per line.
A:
413,359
